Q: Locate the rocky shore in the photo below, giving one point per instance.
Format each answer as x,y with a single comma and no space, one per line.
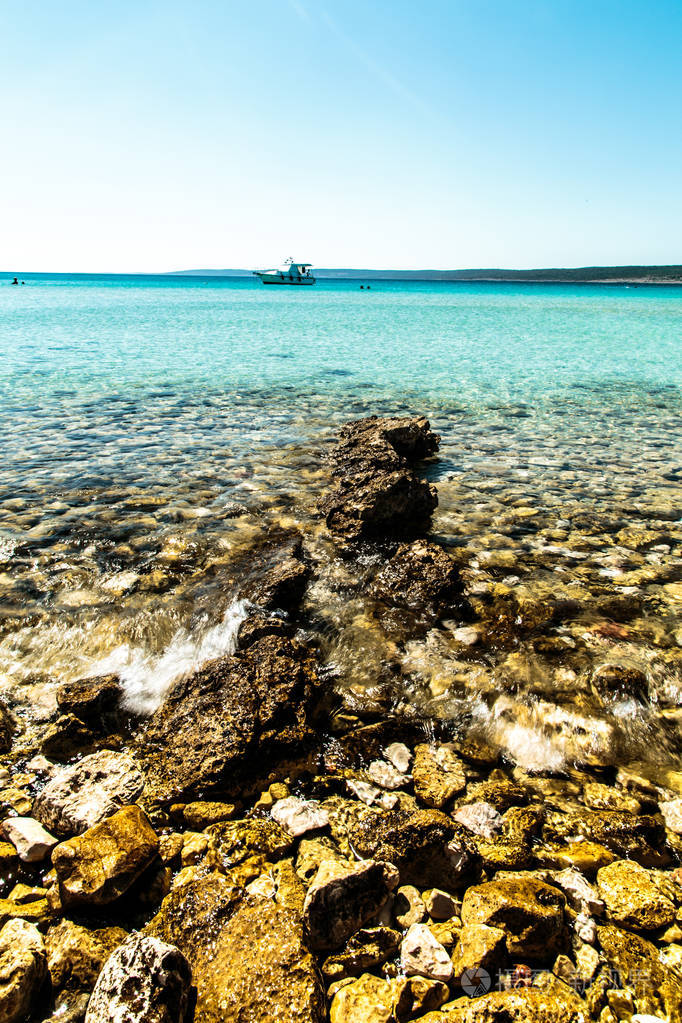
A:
272,845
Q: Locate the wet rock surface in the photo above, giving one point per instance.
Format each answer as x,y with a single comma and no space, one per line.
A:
454,757
377,493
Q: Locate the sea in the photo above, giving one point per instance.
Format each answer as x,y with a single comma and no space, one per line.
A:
155,426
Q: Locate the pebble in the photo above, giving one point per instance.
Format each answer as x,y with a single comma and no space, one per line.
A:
399,755
299,816
32,842
421,955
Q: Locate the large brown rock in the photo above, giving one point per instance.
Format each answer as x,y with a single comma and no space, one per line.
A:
100,865
342,898
634,897
422,578
75,954
428,848
248,956
530,912
376,492
236,714
658,990
278,574
640,838
528,1005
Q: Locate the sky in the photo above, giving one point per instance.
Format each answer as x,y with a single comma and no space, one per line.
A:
145,136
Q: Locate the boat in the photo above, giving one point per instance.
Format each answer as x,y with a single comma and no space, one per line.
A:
290,273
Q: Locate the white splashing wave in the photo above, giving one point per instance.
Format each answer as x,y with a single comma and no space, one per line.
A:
146,678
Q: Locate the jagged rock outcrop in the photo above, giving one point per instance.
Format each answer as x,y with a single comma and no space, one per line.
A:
377,492
232,716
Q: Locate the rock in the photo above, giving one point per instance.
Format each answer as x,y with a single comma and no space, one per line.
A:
421,955
376,492
479,818
580,894
100,865
66,737
368,949
342,898
659,991
95,701
413,996
422,578
9,726
201,814
620,682
527,1005
499,791
299,816
672,814
312,852
586,857
235,714
633,898
366,1000
530,912
247,955
408,906
426,846
233,842
76,955
32,842
80,796
605,797
23,970
143,980
280,576
399,755
639,838
438,775
479,948
385,775
440,905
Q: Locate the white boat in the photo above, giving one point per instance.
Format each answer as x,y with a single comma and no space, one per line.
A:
289,273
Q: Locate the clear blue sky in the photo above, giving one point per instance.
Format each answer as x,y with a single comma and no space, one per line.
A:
150,136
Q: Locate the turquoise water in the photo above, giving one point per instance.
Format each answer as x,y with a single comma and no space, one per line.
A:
95,370
139,412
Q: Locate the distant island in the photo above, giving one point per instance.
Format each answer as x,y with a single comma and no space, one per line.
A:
556,275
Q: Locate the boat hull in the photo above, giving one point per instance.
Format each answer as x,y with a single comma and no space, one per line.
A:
285,279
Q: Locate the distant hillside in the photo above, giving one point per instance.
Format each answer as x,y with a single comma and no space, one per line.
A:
557,275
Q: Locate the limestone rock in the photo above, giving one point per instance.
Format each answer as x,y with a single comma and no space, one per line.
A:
527,1005
66,737
480,818
530,913
368,949
479,947
426,846
32,842
342,898
633,898
299,816
232,842
672,814
413,996
248,957
639,838
422,955
100,865
385,775
23,970
80,796
440,905
580,894
144,980
235,714
659,991
280,575
366,1000
408,906
95,701
438,774
399,755
76,955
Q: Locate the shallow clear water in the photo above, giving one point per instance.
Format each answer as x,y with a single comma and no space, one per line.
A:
136,409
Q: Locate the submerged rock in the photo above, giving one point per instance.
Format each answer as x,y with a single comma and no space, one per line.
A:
633,897
422,578
9,726
80,796
278,573
95,701
342,898
144,980
528,1005
376,493
438,774
100,865
234,714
